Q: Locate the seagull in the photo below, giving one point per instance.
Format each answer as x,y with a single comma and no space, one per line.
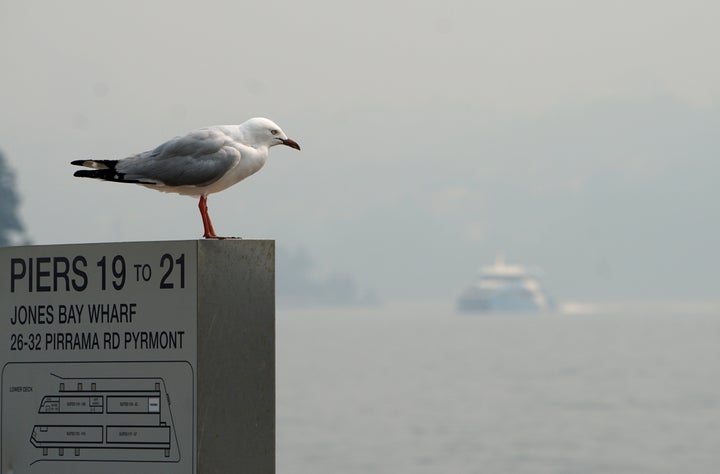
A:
204,161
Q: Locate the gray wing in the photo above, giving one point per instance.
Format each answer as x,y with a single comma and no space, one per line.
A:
196,159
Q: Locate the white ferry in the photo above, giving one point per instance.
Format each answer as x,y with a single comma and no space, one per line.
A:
505,288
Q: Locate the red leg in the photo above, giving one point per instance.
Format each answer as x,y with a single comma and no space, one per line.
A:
207,224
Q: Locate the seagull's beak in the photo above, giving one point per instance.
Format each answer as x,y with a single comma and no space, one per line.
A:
290,143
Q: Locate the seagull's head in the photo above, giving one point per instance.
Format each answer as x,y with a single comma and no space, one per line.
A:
265,132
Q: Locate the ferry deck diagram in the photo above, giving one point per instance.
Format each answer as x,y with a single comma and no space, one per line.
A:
99,412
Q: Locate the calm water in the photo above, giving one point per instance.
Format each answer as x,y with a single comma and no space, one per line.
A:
419,389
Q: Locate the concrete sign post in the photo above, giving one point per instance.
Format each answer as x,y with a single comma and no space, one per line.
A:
147,357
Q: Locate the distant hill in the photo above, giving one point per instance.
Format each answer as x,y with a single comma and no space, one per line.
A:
298,286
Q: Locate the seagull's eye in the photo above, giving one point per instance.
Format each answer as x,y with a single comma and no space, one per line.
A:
274,132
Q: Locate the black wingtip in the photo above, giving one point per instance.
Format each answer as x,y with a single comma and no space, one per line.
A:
86,173
96,164
109,175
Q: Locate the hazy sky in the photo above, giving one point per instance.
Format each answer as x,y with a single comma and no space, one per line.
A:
579,136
